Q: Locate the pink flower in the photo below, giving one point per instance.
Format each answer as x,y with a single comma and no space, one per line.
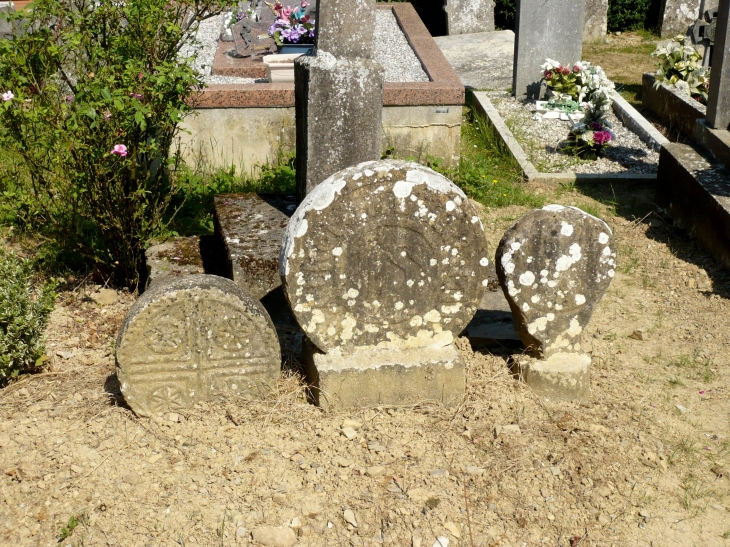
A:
601,137
304,3
576,69
8,96
120,150
702,392
136,96
548,75
107,115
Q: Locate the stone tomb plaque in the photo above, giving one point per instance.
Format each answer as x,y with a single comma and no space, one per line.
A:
554,265
191,339
385,254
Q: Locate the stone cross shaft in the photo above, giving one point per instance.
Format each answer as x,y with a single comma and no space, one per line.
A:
338,94
718,104
345,28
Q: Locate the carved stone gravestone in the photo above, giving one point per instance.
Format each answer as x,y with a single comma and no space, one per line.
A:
191,339
384,264
545,29
554,265
595,20
469,16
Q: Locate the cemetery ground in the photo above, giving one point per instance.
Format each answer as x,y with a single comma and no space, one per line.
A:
645,462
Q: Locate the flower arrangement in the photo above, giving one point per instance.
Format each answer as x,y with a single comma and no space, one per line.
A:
588,137
580,82
680,66
292,25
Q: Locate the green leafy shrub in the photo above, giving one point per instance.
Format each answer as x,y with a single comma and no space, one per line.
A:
24,310
92,95
627,14
505,14
680,66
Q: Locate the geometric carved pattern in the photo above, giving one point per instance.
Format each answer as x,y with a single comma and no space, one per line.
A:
191,339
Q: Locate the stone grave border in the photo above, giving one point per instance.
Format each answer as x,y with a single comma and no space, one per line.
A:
251,124
623,110
671,105
445,88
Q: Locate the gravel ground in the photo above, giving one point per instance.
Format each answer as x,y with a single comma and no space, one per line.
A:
391,50
541,139
644,462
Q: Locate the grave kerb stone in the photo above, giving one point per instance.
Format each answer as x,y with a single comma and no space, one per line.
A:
545,29
718,103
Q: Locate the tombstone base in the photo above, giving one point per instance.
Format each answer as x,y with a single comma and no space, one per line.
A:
384,377
561,377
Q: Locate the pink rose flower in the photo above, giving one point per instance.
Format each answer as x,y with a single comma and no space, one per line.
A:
120,150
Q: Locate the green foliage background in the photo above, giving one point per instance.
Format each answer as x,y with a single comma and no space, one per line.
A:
87,76
24,310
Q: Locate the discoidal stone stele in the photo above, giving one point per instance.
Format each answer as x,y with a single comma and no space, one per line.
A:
193,338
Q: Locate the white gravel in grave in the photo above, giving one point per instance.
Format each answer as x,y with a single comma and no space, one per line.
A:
392,51
540,140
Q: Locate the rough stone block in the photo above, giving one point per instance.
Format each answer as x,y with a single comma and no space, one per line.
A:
678,110
696,194
716,141
469,16
345,28
375,376
191,339
388,254
175,258
595,23
339,103
718,102
545,29
252,227
554,265
561,377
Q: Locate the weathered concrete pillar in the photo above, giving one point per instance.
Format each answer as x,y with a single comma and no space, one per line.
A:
718,104
338,94
545,29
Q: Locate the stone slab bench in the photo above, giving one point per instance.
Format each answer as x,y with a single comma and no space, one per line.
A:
251,227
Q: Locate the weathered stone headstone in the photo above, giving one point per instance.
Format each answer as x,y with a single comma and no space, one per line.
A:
338,94
6,27
718,103
469,16
545,29
554,265
384,264
595,23
191,339
676,16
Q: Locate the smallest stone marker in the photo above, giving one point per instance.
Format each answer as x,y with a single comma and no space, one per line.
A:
554,265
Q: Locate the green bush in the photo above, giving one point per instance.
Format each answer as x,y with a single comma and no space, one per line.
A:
504,14
627,14
24,310
92,95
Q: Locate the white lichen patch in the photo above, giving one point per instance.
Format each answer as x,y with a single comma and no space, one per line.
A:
337,251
